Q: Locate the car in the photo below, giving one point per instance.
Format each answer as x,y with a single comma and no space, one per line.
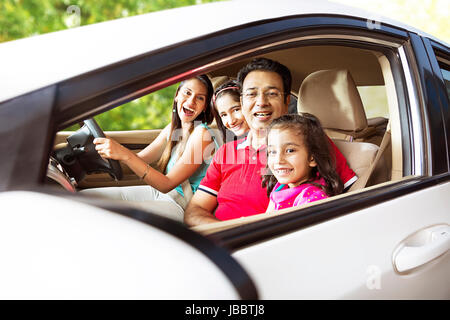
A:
380,88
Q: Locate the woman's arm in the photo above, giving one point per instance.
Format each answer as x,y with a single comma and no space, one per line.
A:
186,165
154,150
111,149
190,160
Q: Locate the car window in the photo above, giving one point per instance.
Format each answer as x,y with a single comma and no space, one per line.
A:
152,111
374,100
446,76
338,72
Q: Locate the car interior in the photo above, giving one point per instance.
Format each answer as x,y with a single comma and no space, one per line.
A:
350,89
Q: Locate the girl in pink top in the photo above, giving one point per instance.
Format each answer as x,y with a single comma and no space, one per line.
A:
301,162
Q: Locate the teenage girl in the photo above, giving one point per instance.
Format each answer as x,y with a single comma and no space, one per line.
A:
178,152
227,111
301,162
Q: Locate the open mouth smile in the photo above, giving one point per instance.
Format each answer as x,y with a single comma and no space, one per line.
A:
188,112
262,115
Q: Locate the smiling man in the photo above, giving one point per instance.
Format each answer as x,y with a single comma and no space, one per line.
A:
232,185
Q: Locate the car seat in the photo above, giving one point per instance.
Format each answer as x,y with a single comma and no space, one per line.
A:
332,96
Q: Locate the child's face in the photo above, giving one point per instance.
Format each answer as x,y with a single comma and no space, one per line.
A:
230,113
288,158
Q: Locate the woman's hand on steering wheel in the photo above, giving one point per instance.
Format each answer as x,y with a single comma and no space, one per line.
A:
110,149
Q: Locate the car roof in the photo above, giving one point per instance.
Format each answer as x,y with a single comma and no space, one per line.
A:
36,62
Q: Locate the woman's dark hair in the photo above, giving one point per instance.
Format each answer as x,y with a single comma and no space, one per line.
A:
264,64
231,88
319,148
206,116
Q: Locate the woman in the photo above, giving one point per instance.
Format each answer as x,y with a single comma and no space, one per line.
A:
180,151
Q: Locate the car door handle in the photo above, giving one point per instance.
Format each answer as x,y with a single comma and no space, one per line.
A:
422,247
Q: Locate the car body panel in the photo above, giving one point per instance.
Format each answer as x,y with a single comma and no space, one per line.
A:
351,257
341,248
80,50
86,252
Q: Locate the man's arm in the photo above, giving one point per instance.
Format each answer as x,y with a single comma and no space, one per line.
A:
200,208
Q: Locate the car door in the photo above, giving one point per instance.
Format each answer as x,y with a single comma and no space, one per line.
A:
389,241
56,247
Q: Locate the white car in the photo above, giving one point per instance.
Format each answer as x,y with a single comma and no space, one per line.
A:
386,238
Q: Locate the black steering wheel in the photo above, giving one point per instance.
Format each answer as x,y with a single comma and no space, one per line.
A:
113,166
80,157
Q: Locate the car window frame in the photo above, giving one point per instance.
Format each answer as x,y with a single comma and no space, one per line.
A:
257,231
435,50
122,85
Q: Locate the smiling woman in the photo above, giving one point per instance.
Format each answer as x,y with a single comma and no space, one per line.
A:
179,151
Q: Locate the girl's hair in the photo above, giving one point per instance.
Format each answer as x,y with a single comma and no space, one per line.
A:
318,146
231,88
206,117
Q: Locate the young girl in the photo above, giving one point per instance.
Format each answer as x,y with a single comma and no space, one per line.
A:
178,151
227,110
302,163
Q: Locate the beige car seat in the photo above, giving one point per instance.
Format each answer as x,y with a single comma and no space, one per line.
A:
332,96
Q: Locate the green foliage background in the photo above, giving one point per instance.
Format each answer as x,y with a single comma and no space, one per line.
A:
25,18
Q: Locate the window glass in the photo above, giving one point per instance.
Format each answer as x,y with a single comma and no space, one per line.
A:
374,100
446,76
152,111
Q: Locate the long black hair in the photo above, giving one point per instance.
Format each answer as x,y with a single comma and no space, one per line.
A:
308,127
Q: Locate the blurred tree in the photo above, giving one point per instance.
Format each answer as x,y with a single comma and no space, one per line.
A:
149,112
24,18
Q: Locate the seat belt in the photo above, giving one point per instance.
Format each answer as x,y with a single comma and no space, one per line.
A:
187,190
362,181
186,185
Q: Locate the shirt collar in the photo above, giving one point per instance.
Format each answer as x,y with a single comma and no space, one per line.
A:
246,144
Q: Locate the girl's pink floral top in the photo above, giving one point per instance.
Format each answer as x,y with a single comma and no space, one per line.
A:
284,197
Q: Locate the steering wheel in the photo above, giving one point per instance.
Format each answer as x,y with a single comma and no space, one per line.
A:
80,157
113,167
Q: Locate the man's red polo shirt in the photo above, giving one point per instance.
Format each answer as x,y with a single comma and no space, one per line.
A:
234,177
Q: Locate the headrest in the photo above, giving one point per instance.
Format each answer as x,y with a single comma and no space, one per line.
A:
331,96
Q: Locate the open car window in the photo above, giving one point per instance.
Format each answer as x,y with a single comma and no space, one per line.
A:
371,73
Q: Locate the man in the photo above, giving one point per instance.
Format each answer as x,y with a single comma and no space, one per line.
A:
232,185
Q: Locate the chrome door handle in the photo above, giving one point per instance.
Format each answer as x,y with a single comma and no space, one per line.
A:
422,247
